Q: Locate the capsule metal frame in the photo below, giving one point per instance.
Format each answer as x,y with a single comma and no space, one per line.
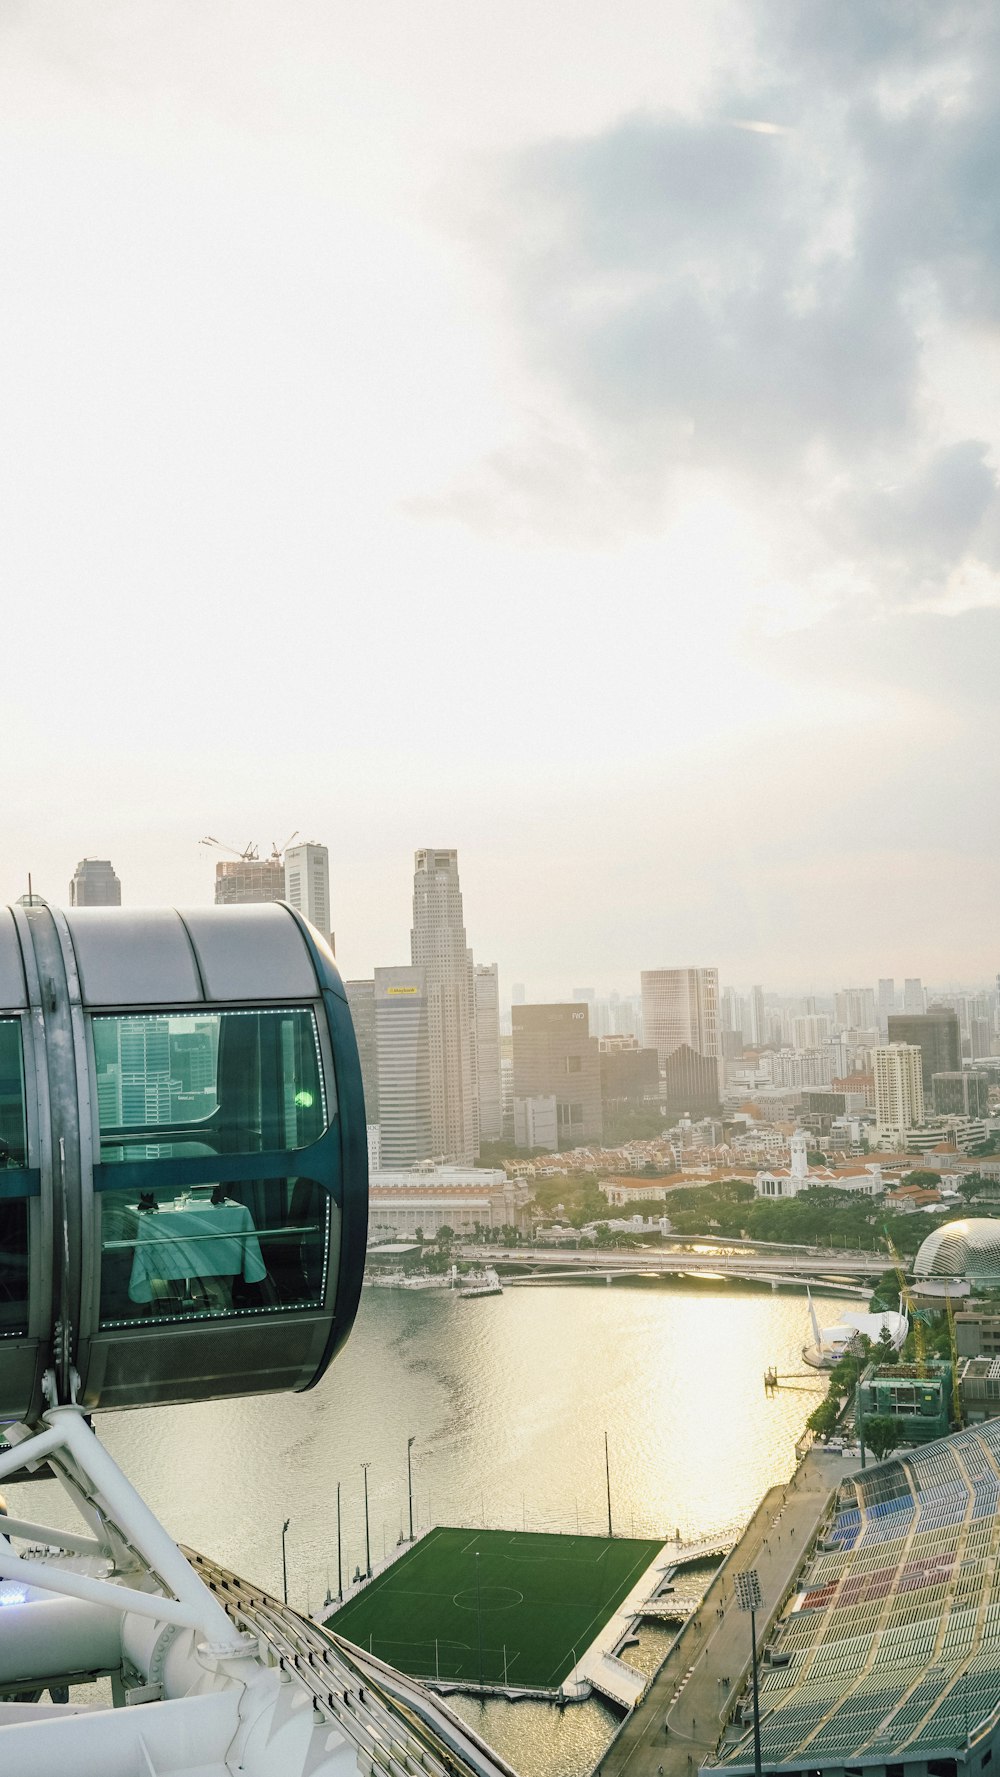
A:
66,975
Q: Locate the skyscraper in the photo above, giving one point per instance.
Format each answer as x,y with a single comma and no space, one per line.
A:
361,999
241,882
487,986
962,1095
899,1088
555,1057
913,994
402,1033
886,1003
754,1030
438,946
95,884
937,1035
854,1009
307,884
681,1006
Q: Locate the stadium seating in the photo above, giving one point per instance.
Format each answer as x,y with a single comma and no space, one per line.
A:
893,1633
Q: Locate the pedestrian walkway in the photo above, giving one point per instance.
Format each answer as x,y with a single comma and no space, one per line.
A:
693,1691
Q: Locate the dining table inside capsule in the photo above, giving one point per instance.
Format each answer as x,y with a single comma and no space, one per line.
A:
183,1154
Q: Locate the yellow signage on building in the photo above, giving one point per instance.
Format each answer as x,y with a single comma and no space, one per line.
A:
402,990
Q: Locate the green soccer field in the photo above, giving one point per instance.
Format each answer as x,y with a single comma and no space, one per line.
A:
522,1614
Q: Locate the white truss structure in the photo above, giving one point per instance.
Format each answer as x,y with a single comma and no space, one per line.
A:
242,1686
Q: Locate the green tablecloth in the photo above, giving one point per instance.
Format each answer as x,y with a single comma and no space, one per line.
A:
210,1240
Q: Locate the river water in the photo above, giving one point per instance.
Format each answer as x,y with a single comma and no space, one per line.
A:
508,1399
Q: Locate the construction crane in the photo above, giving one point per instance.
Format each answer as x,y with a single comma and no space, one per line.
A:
250,853
906,1296
956,1392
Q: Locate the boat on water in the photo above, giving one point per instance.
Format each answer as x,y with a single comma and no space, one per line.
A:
830,1344
481,1283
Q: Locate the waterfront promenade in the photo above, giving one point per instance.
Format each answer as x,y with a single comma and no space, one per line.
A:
688,1693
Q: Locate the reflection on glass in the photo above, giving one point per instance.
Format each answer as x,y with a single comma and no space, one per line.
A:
222,1250
13,1211
13,1266
208,1083
13,1142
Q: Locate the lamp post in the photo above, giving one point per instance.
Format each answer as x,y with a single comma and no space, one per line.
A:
340,1571
284,1560
368,1548
409,1478
607,1477
748,1597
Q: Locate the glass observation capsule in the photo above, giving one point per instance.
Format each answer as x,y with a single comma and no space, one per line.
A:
183,1156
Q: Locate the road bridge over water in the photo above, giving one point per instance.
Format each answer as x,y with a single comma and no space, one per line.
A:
850,1272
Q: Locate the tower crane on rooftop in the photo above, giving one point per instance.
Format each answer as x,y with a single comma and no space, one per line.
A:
250,853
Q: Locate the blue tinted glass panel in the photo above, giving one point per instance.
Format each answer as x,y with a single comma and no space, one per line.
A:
178,1084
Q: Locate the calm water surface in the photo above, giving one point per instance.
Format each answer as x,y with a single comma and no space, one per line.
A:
508,1398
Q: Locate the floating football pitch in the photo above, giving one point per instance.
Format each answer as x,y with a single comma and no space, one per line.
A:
522,1614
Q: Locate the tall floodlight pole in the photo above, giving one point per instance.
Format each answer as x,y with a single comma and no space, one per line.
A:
607,1477
409,1478
479,1614
340,1570
368,1547
748,1597
284,1560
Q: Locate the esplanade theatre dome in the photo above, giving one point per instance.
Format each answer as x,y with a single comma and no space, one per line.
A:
969,1249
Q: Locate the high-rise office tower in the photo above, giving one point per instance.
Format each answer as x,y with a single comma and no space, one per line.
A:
438,946
487,988
981,1037
754,1030
962,1095
555,1057
361,999
936,1034
95,884
681,1006
810,1030
854,1009
307,884
242,882
899,1088
913,994
886,1003
731,1010
402,1035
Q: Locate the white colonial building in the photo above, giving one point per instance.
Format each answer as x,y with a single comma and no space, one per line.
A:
798,1177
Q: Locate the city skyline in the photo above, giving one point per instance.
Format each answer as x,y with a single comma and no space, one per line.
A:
541,988
758,444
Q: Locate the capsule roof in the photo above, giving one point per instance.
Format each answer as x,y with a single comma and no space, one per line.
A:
172,956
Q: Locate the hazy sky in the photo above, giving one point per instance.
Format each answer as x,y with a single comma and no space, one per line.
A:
567,433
